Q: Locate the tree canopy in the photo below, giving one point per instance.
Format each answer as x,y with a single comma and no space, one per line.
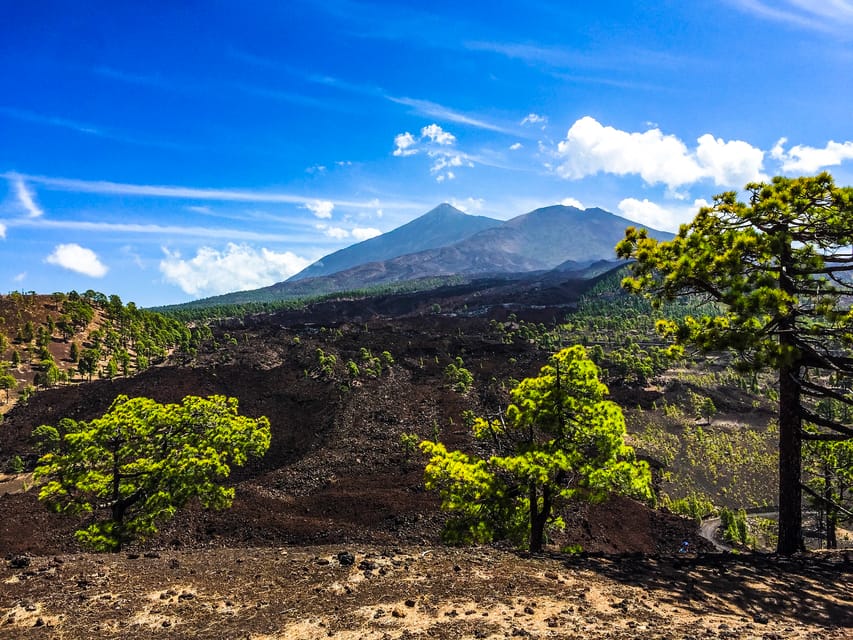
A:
779,267
559,439
141,461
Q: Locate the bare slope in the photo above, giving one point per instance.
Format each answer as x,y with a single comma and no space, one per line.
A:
439,227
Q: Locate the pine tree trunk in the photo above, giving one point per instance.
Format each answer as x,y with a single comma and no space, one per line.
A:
831,513
790,463
538,518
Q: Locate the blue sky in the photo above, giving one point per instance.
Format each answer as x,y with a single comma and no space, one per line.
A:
166,151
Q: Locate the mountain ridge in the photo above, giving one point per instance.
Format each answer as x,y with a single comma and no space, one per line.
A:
442,225
557,237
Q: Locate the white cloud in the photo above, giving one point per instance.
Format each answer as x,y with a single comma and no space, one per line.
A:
515,146
321,208
365,233
404,143
437,134
590,148
656,217
76,258
2,230
534,118
20,277
468,204
732,163
439,145
805,159
336,232
572,202
199,209
26,199
237,268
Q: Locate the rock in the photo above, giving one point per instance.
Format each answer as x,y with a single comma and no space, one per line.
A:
19,562
346,559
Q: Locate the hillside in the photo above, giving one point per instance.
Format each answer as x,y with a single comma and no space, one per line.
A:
338,475
336,439
62,339
439,227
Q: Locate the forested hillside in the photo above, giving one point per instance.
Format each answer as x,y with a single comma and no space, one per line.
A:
66,338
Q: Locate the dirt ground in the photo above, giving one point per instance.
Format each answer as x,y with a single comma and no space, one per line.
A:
336,480
377,593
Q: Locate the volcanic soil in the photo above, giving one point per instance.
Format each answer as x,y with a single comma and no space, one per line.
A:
332,534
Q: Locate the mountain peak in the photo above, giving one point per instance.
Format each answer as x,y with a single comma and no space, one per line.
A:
442,225
444,209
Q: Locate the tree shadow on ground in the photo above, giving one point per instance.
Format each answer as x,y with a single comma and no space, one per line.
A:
813,589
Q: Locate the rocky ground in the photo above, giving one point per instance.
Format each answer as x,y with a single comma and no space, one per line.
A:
380,593
332,534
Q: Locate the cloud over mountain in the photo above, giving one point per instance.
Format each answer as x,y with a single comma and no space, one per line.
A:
238,266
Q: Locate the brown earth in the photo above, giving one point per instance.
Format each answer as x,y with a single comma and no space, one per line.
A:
376,592
337,475
336,470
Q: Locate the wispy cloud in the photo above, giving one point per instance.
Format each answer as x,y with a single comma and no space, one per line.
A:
434,110
2,231
554,56
146,80
53,121
422,107
26,199
91,129
161,231
562,57
826,16
194,193
287,96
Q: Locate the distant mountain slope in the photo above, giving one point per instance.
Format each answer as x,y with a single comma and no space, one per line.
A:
546,237
442,226
559,238
540,240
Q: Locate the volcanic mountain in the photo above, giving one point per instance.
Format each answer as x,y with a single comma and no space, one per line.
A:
439,227
552,238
